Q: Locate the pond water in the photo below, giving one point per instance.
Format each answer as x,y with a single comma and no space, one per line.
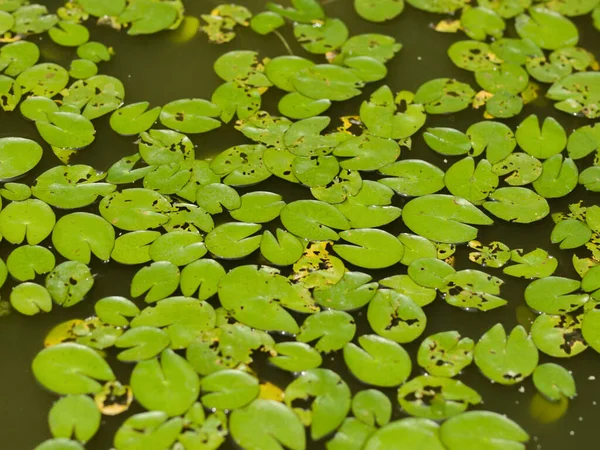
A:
158,69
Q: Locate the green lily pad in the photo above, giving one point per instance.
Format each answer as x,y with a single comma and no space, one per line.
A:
571,233
297,106
504,105
45,80
76,236
283,250
373,249
506,360
331,330
82,69
229,389
15,192
27,261
170,385
380,115
408,433
559,177
327,81
233,240
30,299
413,177
434,397
546,28
71,369
430,272
352,433
379,362
379,46
147,16
542,143
438,6
214,196
444,218
17,57
203,274
66,130
267,424
95,51
74,416
535,264
152,430
296,357
517,204
248,293
233,98
482,430
135,209
183,318
554,381
266,22
480,22
523,169
134,248
134,118
321,37
190,115
472,289
367,152
372,407
313,219
577,94
376,11
352,292
444,95
30,219
115,310
554,295
302,11
395,316
404,285
17,157
69,282
445,354
472,55
178,247
158,281
495,138
100,8
473,183
69,34
36,108
241,165
330,400
282,69
559,336
589,328
583,141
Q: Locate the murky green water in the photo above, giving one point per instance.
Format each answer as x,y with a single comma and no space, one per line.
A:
158,70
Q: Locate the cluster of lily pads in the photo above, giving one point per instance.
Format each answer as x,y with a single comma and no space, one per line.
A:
229,271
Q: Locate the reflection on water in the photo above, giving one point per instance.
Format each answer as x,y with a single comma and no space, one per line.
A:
165,67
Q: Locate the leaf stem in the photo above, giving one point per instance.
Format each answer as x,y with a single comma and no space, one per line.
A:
285,43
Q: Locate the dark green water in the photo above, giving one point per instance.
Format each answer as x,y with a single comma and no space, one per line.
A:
158,70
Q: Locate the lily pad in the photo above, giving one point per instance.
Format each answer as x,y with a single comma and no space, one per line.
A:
69,282
554,381
445,354
395,316
76,236
74,416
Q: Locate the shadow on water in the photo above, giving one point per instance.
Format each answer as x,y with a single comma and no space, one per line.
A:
158,70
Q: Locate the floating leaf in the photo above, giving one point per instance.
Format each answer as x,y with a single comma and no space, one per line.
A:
27,261
30,219
379,362
535,264
148,429
473,183
554,381
170,385
373,249
313,220
444,218
372,407
445,354
267,424
482,430
352,292
76,236
407,433
135,209
204,274
69,282
542,143
266,22
158,281
30,299
71,369
330,400
559,336
444,95
321,37
395,316
413,177
546,28
134,118
296,357
375,11
233,240
74,416
436,397
331,330
516,204
506,361
577,94
550,295
283,250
